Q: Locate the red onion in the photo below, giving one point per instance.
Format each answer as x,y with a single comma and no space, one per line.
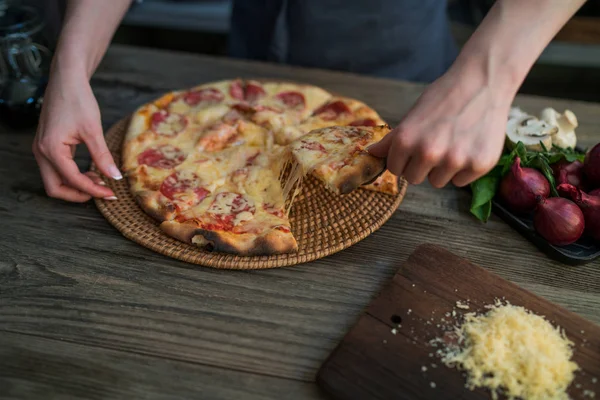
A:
595,193
566,172
590,206
558,220
592,166
520,188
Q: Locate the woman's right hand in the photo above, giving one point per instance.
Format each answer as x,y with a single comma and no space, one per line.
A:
70,116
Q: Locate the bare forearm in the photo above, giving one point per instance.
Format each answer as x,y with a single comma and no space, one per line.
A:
88,28
512,36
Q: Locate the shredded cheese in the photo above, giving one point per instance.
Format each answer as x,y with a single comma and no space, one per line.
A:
513,351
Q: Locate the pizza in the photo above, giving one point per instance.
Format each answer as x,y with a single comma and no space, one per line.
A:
338,156
213,163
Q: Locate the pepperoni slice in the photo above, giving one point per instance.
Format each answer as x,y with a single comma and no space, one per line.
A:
168,124
294,100
208,95
164,157
363,122
178,183
315,146
254,92
236,90
331,111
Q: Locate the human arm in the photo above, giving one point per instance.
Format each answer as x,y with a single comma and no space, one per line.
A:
70,113
455,131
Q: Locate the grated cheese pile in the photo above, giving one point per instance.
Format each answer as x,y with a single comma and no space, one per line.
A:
509,350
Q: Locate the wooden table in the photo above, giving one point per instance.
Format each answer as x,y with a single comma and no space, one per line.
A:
86,313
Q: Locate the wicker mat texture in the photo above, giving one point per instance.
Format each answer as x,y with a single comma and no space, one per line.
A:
322,222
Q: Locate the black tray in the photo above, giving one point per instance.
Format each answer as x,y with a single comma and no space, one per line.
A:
580,252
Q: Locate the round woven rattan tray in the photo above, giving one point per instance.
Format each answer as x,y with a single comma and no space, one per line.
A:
322,222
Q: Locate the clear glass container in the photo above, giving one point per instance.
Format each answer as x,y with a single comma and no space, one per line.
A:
24,64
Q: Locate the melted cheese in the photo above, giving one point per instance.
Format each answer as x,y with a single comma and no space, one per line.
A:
509,349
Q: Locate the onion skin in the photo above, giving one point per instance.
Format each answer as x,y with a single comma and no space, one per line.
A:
521,187
592,166
558,220
566,172
589,205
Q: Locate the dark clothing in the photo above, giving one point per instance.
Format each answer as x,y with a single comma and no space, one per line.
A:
403,39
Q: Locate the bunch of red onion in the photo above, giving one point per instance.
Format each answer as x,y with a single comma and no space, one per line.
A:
559,220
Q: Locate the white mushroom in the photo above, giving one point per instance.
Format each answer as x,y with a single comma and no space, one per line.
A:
566,122
525,128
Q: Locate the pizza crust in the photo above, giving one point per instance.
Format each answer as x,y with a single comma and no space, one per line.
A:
270,243
366,169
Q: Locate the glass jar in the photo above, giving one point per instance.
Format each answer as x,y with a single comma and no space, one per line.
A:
24,64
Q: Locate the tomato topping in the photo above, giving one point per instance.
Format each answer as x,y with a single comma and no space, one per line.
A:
254,92
363,122
164,157
315,146
292,99
236,90
218,137
331,111
168,124
210,95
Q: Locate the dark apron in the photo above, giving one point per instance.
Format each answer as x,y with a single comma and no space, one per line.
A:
403,39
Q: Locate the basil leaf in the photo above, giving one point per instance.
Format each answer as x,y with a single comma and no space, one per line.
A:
484,189
483,212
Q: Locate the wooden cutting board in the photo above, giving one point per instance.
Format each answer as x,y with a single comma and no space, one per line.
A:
372,362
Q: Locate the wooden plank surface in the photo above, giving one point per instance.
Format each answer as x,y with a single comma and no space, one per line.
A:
67,276
388,353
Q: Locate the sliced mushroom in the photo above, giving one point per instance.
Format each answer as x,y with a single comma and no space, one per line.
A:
566,122
522,127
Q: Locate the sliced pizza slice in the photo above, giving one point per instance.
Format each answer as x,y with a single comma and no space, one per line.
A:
232,222
338,157
338,111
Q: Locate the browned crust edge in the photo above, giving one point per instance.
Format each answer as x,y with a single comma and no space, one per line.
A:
388,184
272,243
366,169
149,201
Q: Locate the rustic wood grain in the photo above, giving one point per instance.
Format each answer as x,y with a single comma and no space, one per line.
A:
68,276
388,353
61,370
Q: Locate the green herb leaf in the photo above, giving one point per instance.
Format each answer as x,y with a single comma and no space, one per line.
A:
574,157
484,189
